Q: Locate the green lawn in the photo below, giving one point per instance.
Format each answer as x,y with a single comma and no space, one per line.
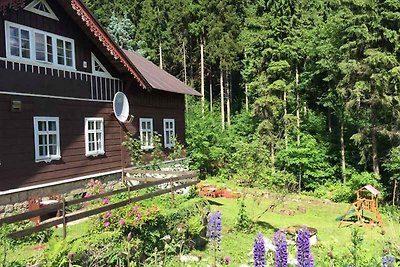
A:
318,214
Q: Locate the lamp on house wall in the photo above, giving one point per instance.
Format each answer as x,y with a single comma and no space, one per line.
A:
16,106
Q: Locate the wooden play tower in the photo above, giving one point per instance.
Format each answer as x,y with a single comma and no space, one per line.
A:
367,202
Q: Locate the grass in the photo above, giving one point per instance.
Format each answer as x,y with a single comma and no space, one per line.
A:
26,252
308,211
318,214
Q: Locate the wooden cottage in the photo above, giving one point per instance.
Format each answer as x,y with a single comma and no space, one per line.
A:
59,72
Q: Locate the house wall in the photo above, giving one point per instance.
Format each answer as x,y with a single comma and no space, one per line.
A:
18,168
17,151
51,82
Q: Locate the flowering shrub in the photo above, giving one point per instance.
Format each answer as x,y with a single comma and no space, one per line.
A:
94,187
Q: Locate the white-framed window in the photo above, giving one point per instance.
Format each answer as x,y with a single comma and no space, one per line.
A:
146,133
169,132
42,8
47,138
28,44
98,68
94,136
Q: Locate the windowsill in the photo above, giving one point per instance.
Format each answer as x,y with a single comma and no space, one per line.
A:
48,160
147,148
169,146
95,154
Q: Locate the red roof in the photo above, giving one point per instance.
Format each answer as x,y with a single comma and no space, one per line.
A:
158,78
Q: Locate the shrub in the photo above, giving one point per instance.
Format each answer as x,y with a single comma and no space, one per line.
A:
134,148
243,222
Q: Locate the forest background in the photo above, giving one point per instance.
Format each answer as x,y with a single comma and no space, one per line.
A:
299,95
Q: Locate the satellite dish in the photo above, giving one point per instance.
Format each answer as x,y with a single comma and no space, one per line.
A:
121,107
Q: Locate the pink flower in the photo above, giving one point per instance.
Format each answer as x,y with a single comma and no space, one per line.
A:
148,212
107,215
140,215
88,194
121,221
227,260
136,208
129,237
106,224
106,201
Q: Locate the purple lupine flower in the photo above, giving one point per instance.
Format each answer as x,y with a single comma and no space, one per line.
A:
214,226
303,248
218,227
259,251
281,252
210,225
388,261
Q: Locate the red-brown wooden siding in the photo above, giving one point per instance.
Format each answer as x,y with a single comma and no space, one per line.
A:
17,153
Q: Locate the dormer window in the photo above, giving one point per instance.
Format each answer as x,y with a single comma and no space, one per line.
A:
98,68
29,44
41,7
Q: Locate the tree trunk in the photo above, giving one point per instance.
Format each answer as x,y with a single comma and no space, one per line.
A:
297,105
329,120
222,100
342,151
202,75
211,91
285,117
228,99
246,92
161,56
375,157
300,180
394,192
184,62
273,157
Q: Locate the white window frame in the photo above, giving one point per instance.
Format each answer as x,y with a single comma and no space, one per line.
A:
31,8
104,74
97,151
142,131
169,131
32,47
48,158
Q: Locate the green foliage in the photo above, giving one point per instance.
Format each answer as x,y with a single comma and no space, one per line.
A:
243,221
392,165
357,238
134,148
346,192
177,151
309,160
156,153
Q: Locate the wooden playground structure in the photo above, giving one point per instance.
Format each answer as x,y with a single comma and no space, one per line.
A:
367,202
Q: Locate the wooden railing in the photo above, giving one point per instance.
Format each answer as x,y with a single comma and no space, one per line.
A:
184,179
101,88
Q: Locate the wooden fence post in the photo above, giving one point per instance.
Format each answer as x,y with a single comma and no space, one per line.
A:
172,190
64,219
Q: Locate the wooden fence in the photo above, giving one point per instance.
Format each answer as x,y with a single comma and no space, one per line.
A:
184,179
